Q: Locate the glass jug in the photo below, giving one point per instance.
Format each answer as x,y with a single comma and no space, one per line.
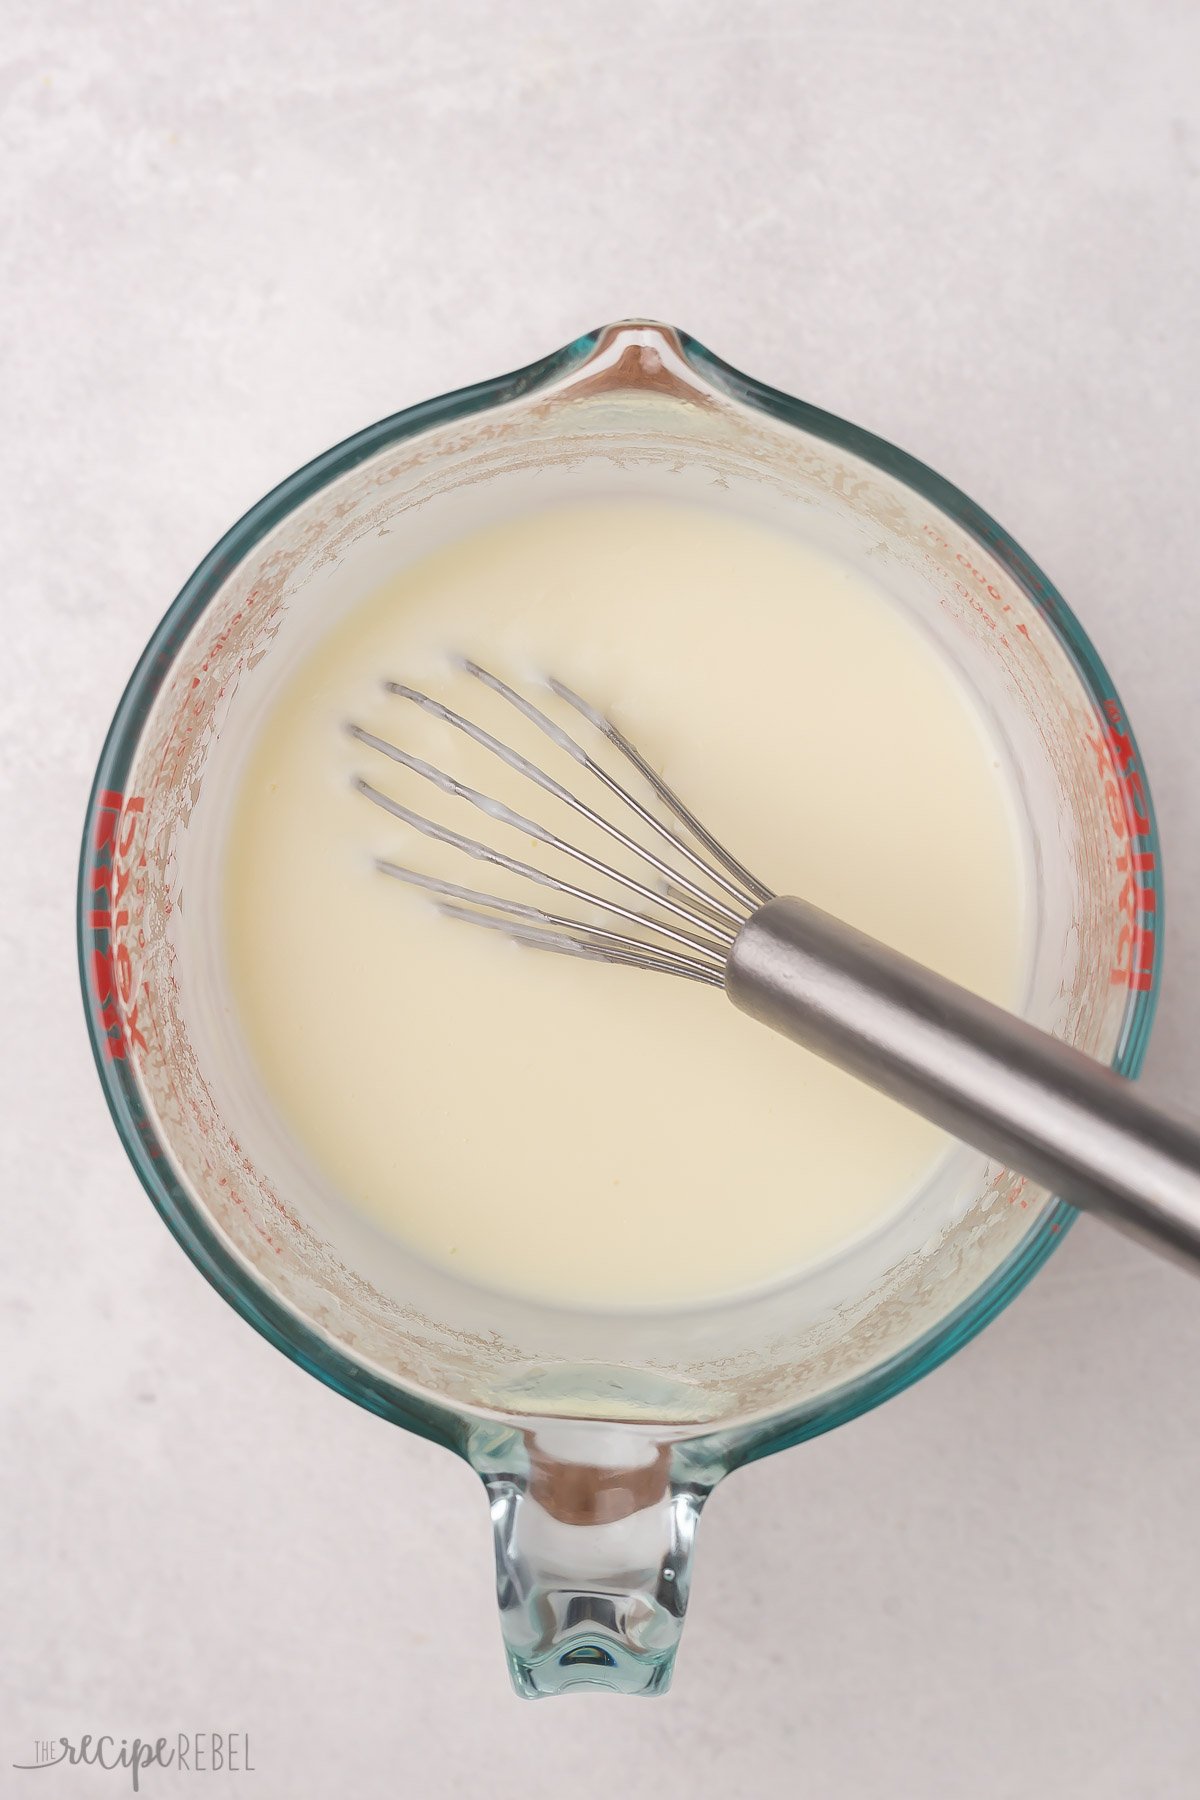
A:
597,1436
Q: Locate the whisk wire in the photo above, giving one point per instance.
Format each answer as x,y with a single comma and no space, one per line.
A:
496,809
538,775
606,947
696,947
670,799
745,901
451,891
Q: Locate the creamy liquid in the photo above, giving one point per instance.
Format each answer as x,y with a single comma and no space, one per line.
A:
581,1133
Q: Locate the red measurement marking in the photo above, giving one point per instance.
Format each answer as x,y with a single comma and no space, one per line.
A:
973,595
989,587
114,872
1129,824
1124,795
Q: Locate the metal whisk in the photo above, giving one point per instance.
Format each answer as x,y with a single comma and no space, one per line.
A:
707,898
1039,1105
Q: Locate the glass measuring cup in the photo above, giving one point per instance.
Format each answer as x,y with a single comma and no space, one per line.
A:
598,1436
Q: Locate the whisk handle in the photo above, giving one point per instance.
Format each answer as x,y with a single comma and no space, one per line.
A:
993,1080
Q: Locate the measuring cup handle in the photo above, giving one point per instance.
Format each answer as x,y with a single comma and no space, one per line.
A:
994,1080
593,1528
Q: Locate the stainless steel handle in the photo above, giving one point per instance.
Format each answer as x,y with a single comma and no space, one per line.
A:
992,1079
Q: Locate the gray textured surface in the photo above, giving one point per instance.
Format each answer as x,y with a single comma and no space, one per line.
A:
230,234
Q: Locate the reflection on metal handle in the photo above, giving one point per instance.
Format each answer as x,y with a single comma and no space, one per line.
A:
1042,1107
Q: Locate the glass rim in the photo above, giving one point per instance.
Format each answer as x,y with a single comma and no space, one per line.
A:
286,1327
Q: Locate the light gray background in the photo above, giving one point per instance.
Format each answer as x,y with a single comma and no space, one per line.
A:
231,234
